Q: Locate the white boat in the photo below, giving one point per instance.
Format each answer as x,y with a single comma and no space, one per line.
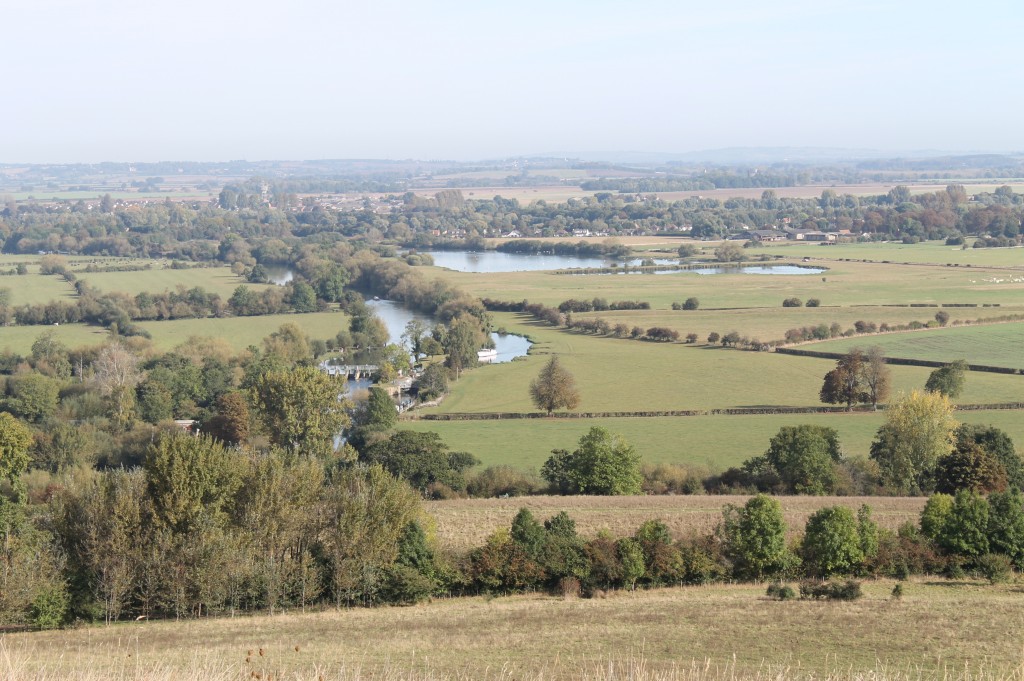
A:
486,356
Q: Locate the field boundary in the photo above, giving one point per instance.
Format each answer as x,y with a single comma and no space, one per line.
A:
900,361
733,411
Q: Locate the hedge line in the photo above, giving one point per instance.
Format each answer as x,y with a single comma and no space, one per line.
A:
737,411
900,361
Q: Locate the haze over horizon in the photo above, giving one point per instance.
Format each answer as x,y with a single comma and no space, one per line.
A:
217,80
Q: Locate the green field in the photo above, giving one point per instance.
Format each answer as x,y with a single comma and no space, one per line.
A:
217,280
845,283
630,375
927,252
713,442
239,332
992,345
35,288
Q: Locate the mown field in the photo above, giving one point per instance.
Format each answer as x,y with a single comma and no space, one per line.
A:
845,284
217,280
35,288
713,443
631,375
940,629
461,524
999,345
929,252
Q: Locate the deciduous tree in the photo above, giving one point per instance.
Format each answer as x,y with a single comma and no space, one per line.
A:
918,430
554,388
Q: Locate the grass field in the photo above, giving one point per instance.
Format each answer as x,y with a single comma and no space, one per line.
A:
218,280
993,345
929,252
462,524
628,375
239,332
35,288
940,629
712,442
845,283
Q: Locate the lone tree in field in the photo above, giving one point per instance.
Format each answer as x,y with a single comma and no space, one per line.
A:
554,388
857,378
948,380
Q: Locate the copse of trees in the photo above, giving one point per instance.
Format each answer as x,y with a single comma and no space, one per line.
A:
603,463
857,378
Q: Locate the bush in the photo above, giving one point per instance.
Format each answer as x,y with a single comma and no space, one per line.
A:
49,608
792,302
503,481
781,592
849,590
691,304
813,302
995,567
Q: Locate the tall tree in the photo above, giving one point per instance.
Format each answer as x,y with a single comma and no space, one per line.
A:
917,431
603,463
876,375
302,409
845,384
554,388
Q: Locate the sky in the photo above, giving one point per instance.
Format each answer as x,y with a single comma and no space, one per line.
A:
124,80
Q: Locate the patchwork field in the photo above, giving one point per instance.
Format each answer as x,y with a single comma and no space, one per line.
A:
993,345
940,629
629,375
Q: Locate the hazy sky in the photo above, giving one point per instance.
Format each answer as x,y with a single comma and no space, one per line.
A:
130,80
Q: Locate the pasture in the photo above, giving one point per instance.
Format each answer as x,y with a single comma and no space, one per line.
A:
845,285
992,344
238,332
711,443
940,629
217,280
631,375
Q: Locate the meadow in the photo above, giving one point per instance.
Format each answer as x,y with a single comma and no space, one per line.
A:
711,443
992,345
631,375
217,280
940,629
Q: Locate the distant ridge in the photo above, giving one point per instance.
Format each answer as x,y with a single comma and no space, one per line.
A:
761,155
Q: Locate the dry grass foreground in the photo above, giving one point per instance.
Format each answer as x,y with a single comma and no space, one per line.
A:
941,630
465,523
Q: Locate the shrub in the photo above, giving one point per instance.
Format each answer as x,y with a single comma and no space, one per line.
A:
792,302
691,304
995,567
503,481
813,302
49,608
692,338
781,592
897,591
849,590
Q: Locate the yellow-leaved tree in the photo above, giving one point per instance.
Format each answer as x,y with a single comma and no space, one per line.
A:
918,430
